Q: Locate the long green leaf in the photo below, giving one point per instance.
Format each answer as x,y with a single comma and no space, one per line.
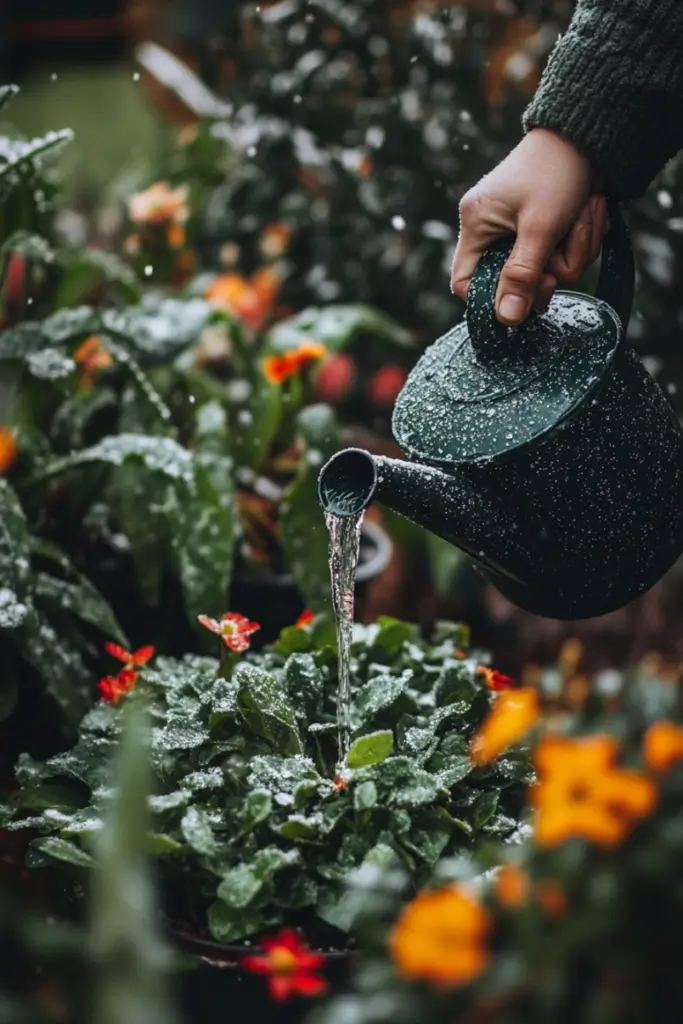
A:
129,957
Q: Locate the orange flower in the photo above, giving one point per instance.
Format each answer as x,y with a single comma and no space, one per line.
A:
340,783
113,688
512,886
305,618
234,630
160,204
291,968
278,368
510,719
441,937
274,240
581,792
135,660
92,356
249,300
8,449
663,746
494,679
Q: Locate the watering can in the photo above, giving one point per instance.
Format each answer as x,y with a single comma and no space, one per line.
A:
545,452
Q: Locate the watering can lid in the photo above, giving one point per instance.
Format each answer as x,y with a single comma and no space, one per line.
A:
483,389
459,407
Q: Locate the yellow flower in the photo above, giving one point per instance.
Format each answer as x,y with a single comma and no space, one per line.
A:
441,937
511,718
581,793
663,746
160,204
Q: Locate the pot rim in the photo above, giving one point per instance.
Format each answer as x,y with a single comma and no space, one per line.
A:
231,954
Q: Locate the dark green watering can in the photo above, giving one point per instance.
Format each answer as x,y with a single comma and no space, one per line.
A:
545,452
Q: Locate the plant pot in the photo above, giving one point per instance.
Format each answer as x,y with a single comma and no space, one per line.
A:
218,981
274,601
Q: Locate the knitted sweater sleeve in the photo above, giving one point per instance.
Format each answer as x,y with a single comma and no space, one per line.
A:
614,86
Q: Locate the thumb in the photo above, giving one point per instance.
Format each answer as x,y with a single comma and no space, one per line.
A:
521,277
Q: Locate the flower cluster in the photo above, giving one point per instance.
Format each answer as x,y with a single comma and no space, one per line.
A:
113,688
251,300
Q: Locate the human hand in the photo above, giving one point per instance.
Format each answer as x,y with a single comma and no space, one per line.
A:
544,193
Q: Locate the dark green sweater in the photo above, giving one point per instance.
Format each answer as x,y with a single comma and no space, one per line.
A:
614,86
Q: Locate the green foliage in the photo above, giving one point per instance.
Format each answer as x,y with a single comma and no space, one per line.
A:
253,819
128,955
586,930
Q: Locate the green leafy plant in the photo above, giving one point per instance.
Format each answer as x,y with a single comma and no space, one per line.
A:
254,821
581,919
140,467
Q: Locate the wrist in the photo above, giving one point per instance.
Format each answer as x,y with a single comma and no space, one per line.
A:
562,143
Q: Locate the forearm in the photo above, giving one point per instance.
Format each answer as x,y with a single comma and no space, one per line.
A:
614,86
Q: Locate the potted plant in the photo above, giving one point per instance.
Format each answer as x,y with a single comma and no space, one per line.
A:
580,919
257,820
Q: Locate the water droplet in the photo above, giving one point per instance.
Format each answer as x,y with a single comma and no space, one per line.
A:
136,76
149,270
53,76
398,223
191,399
251,151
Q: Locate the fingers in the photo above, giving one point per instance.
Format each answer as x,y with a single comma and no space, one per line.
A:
475,236
600,225
522,275
582,245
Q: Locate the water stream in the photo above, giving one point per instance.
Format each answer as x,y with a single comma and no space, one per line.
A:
344,550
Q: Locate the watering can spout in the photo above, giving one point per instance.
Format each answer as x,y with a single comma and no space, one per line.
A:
450,504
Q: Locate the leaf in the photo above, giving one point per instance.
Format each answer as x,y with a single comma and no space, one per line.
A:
451,768
371,749
303,679
18,156
377,695
239,886
203,523
256,808
419,789
60,665
157,454
455,683
305,541
62,849
142,503
33,248
15,563
265,709
197,831
300,828
393,634
92,268
50,364
7,94
229,925
484,808
365,796
129,958
159,328
334,327
83,600
178,737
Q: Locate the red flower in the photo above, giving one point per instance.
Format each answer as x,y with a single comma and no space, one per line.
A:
291,967
234,629
113,688
386,384
340,783
135,660
495,680
335,378
305,618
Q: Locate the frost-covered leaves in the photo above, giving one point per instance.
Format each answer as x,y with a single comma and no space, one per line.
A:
250,799
334,327
44,615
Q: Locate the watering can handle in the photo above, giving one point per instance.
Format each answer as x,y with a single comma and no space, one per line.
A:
491,339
